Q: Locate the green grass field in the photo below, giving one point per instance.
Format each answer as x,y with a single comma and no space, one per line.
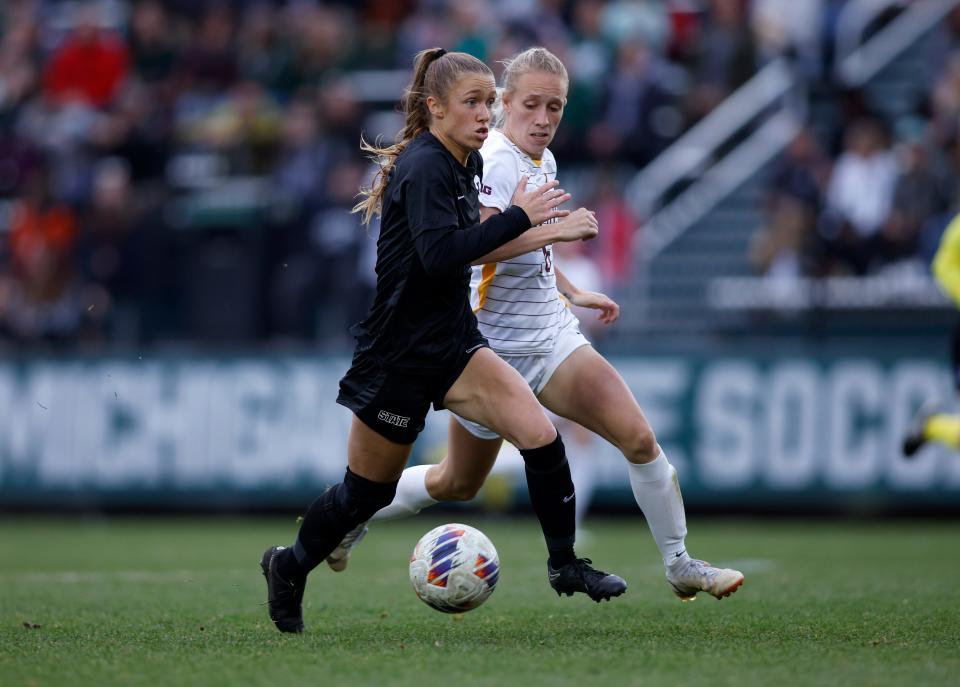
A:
178,601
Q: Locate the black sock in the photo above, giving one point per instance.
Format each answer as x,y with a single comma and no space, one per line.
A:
553,498
337,511
288,566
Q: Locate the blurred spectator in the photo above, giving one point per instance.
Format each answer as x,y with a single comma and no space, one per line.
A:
643,21
588,61
784,247
89,65
303,174
638,117
152,47
590,52
19,61
613,250
858,200
209,65
323,37
18,161
244,126
110,250
341,111
266,57
138,129
801,175
945,99
727,55
40,300
921,194
337,235
685,26
306,155
787,27
474,34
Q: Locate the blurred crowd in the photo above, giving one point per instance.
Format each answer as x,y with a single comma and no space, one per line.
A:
183,169
874,195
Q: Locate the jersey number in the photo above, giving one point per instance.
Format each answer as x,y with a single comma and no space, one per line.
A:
546,267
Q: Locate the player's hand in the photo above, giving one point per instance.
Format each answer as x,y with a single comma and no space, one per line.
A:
609,310
579,225
540,204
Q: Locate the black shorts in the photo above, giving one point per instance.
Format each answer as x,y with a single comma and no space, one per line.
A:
394,403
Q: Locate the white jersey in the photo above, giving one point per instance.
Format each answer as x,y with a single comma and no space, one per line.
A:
516,301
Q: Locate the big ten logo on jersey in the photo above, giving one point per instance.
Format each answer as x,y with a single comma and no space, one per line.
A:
546,267
480,187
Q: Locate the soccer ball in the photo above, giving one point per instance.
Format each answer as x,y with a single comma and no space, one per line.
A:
454,568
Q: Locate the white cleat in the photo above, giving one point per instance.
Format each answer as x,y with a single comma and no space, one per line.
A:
340,556
692,576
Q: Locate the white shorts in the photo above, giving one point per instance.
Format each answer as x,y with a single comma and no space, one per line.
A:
538,368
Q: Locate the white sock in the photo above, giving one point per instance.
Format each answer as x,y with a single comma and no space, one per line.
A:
411,495
657,491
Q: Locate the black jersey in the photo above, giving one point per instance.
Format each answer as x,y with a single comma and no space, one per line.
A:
429,235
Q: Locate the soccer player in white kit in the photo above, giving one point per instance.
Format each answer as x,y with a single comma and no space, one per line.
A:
521,306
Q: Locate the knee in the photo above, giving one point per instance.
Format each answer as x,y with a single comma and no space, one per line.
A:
535,436
359,498
640,445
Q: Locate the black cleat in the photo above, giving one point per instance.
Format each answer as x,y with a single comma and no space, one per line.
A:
915,439
578,576
284,597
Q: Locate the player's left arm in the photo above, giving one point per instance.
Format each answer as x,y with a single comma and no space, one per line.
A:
609,310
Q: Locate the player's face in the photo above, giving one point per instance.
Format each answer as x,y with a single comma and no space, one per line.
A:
534,110
464,119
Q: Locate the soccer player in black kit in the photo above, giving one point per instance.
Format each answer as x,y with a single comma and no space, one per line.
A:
420,343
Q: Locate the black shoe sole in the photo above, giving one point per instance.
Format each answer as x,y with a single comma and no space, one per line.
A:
601,596
598,599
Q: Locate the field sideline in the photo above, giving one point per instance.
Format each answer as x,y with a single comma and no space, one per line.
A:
178,601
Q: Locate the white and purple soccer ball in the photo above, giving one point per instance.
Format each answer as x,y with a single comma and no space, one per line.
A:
454,568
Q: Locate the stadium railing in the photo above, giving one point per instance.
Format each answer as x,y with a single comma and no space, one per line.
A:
690,181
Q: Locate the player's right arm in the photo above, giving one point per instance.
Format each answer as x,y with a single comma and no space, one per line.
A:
579,225
503,185
430,203
946,263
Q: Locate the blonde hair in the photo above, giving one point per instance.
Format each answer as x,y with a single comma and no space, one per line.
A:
435,71
536,59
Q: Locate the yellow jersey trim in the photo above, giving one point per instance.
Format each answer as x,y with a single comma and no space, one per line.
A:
489,270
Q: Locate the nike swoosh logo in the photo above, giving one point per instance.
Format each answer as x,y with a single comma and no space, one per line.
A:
677,555
568,499
474,348
460,197
553,575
